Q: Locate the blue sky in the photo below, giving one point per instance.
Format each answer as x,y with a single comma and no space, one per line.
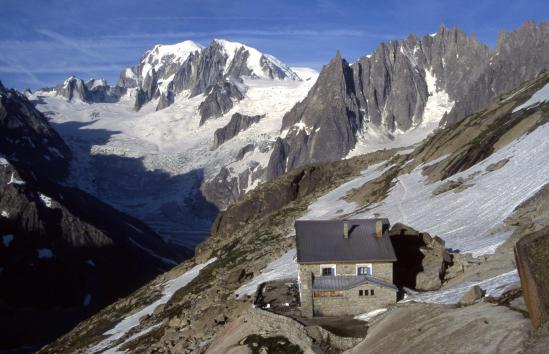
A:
44,41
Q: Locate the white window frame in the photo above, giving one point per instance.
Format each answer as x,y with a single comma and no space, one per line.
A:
332,266
364,265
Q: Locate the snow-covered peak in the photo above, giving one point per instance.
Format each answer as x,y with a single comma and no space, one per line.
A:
261,65
94,83
167,54
69,80
180,51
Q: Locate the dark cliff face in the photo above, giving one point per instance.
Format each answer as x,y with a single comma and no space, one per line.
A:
390,88
519,56
27,137
322,126
219,100
63,253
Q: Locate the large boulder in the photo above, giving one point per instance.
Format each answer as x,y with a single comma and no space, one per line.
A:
471,296
421,258
532,258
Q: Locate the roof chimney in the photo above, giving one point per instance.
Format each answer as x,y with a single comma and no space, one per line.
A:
379,228
345,229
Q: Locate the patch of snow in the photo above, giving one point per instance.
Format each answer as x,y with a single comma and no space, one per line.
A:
128,72
493,286
98,83
373,138
437,104
332,204
46,200
435,161
169,288
405,151
370,315
15,180
4,162
7,239
538,97
5,214
131,338
44,253
87,300
285,267
305,73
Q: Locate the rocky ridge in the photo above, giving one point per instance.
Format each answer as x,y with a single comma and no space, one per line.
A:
389,91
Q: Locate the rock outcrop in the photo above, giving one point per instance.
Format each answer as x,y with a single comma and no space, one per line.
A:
238,123
532,257
91,91
219,100
430,328
474,294
421,259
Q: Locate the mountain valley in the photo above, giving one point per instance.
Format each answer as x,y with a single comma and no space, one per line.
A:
157,215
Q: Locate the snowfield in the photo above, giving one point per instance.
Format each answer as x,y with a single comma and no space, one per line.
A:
124,326
151,164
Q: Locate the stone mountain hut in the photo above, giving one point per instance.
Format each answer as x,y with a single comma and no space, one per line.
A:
345,266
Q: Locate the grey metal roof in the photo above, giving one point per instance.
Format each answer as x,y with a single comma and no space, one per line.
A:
322,241
346,282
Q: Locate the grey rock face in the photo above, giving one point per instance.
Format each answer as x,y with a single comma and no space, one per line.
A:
28,138
91,91
390,88
238,123
73,88
244,150
519,56
219,100
198,73
323,126
166,99
471,296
